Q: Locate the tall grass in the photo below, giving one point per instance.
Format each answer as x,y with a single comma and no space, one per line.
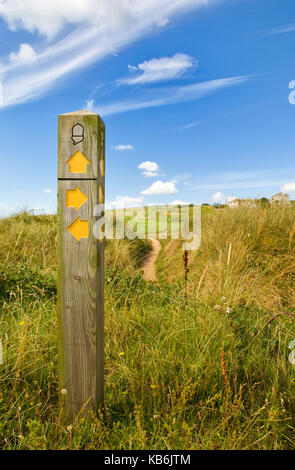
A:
202,372
247,255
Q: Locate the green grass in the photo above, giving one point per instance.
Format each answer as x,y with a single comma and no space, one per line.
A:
201,372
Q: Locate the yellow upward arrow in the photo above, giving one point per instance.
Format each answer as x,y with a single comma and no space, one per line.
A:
79,229
75,198
78,163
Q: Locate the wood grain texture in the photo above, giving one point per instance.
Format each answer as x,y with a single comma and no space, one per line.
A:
80,281
90,146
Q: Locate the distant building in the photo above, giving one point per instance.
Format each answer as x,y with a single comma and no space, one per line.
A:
242,202
280,198
234,203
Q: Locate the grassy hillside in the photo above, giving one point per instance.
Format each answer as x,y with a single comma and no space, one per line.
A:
204,372
247,256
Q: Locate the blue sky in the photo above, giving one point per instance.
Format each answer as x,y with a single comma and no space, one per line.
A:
195,96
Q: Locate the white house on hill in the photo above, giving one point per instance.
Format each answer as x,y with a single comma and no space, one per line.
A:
242,202
280,198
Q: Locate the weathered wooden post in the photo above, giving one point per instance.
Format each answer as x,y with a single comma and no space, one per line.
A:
81,163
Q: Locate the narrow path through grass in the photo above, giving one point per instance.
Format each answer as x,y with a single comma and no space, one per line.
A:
149,267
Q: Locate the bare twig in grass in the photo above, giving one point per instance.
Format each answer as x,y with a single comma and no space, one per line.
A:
226,383
274,317
229,254
186,270
201,278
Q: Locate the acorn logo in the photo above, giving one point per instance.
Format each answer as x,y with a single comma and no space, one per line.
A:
77,134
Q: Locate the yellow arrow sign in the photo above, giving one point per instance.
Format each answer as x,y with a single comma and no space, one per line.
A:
79,229
78,163
75,198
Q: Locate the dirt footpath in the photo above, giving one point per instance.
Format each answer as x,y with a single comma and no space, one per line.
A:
149,267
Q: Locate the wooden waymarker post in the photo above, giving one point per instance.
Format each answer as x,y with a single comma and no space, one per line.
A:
81,163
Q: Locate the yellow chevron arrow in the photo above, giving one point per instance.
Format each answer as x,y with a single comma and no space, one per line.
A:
78,163
79,229
75,198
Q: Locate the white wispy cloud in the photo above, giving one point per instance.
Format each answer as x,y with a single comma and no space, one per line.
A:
159,187
182,177
122,147
238,185
189,126
150,169
47,191
279,30
150,174
162,97
159,70
245,175
245,179
122,202
78,34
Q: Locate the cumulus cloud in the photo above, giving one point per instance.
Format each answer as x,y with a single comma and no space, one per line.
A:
122,202
230,198
288,187
159,187
79,33
25,55
220,198
150,174
123,147
159,70
150,169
